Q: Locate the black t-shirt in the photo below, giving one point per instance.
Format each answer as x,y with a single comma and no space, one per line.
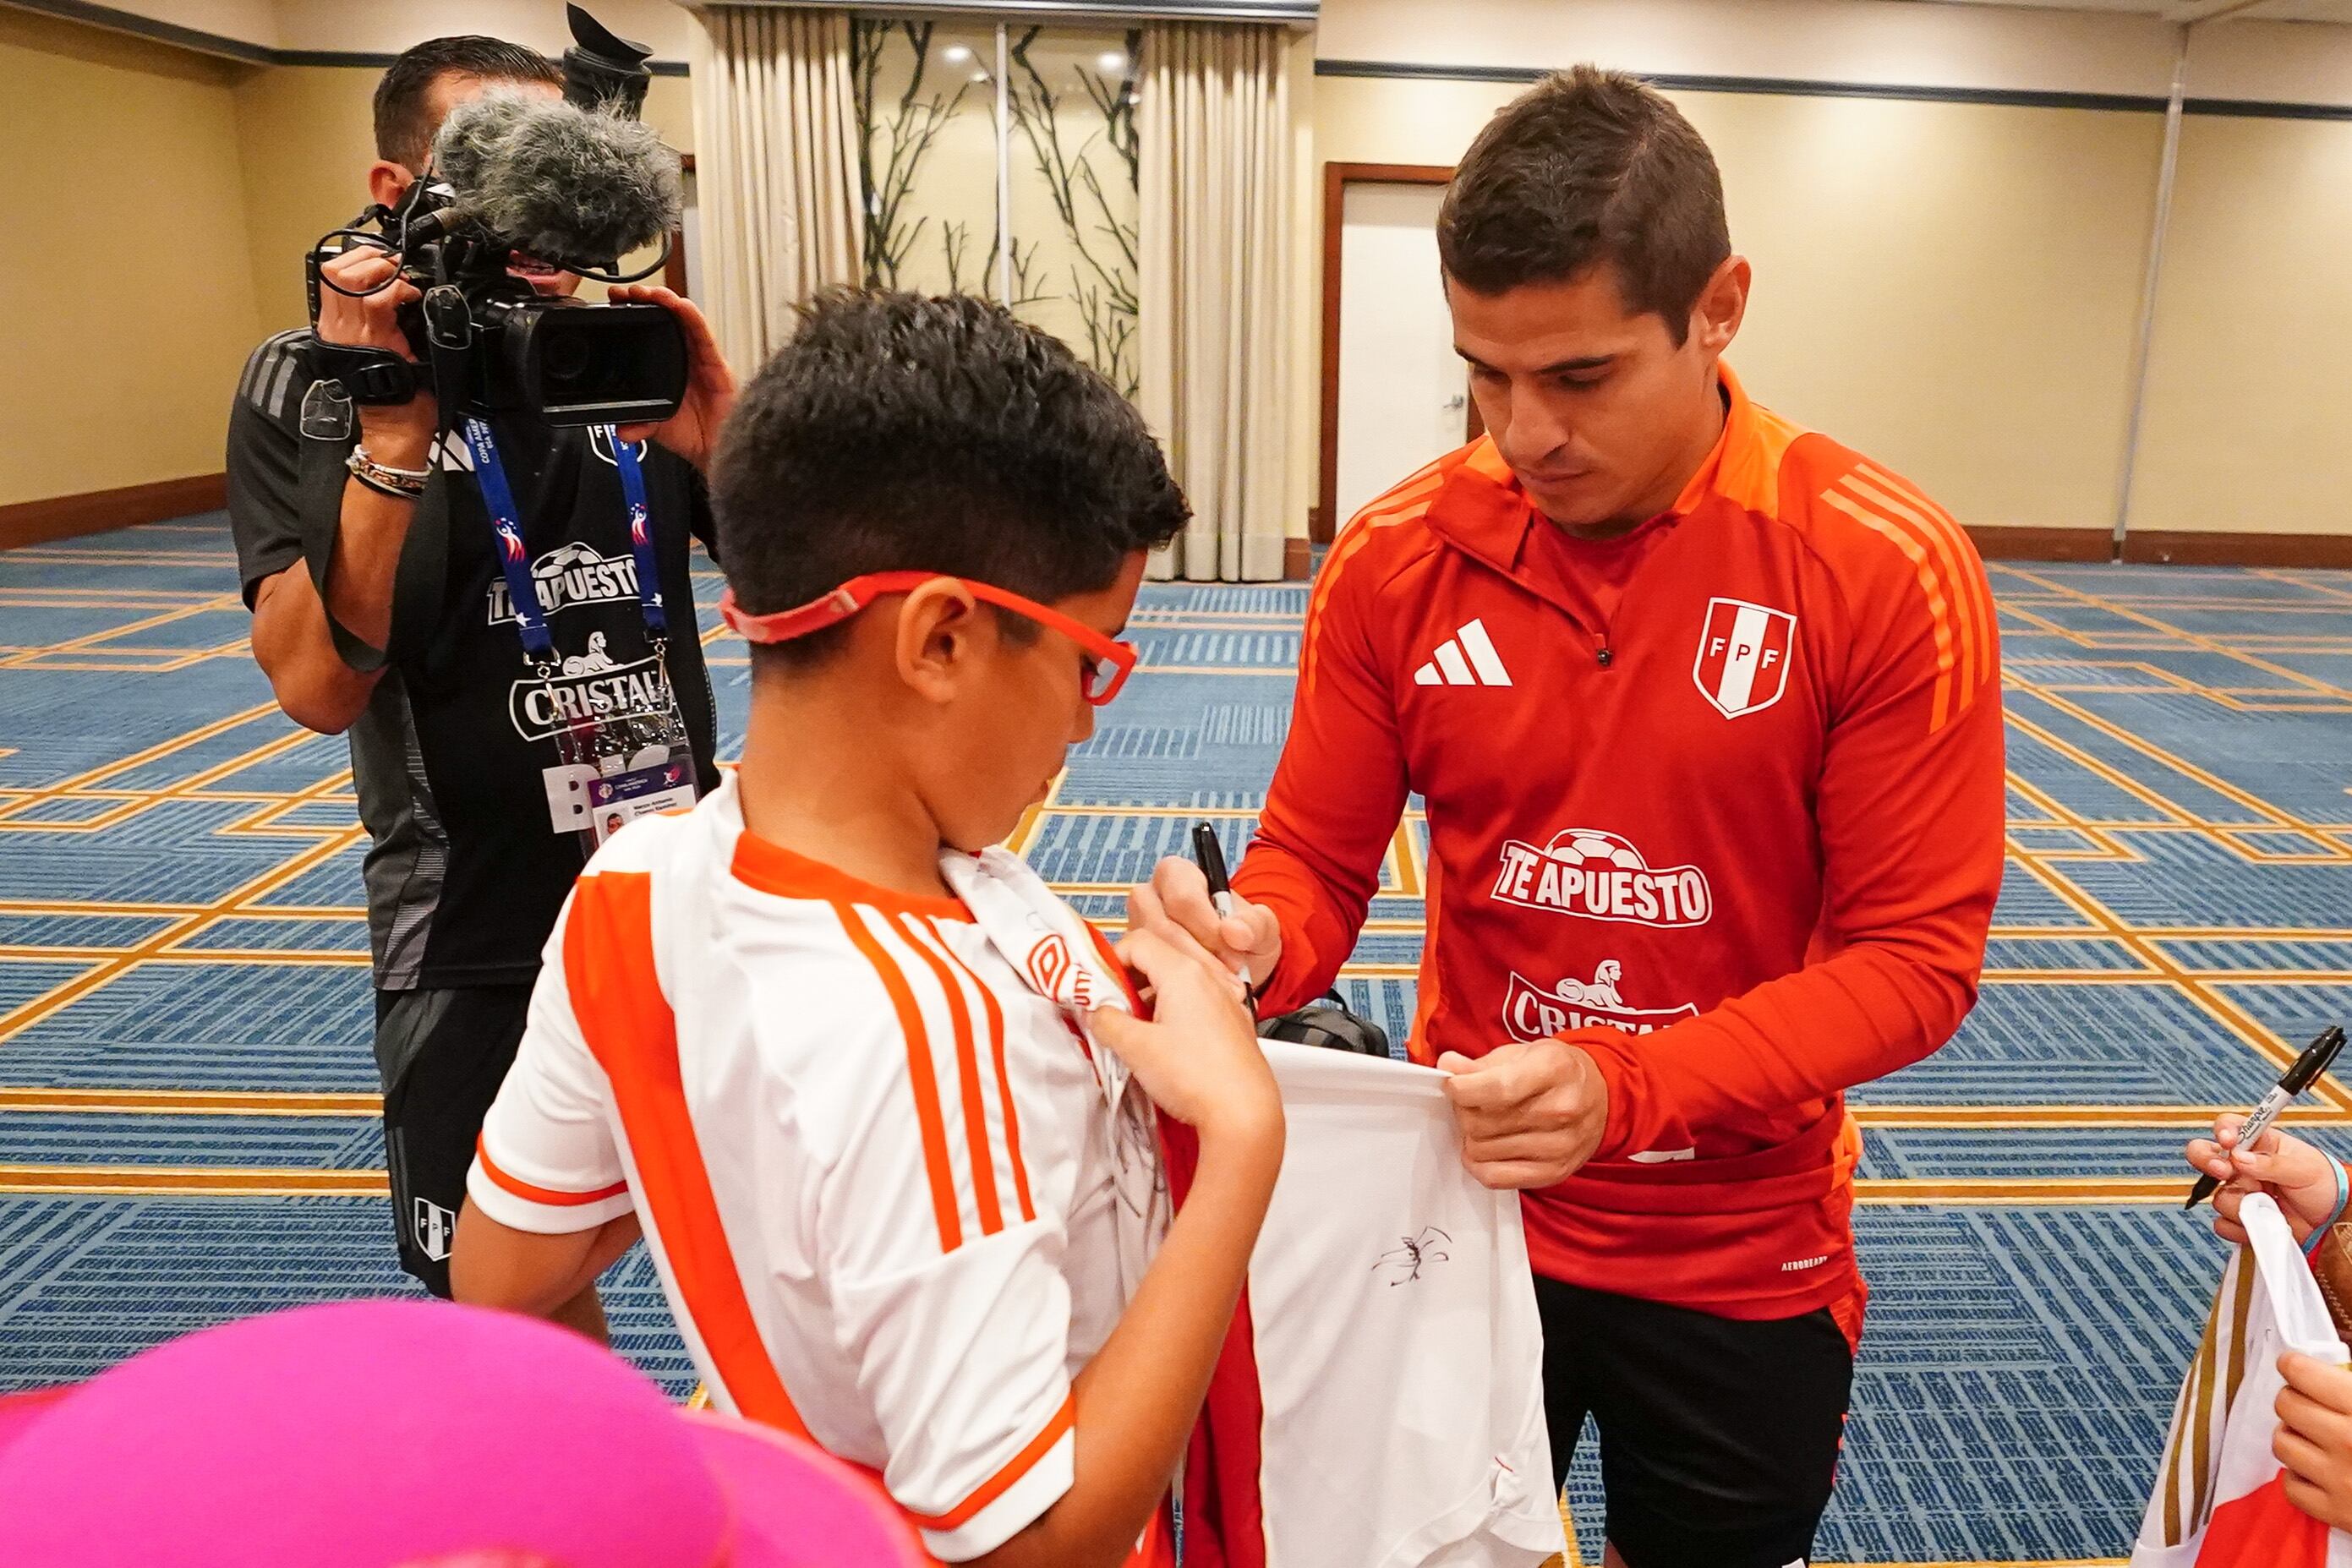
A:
465,871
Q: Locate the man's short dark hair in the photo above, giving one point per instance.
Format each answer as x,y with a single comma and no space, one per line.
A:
1588,166
896,433
403,122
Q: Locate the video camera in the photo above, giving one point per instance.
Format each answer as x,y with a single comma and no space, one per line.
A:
521,186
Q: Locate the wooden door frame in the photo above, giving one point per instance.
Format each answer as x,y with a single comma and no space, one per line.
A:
1337,177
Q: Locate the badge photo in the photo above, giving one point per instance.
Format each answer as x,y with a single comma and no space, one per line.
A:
617,800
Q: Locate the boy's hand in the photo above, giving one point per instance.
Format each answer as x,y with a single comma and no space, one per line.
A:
2301,1178
2315,1438
1198,1058
1177,899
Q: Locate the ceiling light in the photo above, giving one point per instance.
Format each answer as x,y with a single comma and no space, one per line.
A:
1113,61
958,54
980,76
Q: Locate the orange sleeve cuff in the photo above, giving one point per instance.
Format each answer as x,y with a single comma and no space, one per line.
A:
549,1195
997,1485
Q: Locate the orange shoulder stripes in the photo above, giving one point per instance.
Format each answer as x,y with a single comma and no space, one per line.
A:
1951,580
922,1076
1406,502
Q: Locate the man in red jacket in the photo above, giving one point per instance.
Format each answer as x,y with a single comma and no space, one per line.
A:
1705,709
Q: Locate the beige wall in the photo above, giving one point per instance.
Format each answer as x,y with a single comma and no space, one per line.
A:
129,301
1950,287
304,141
1889,41
2248,399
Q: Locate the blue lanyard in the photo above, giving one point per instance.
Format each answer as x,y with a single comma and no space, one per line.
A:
514,560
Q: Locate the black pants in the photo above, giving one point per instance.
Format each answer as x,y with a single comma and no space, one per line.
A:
442,1055
1718,1438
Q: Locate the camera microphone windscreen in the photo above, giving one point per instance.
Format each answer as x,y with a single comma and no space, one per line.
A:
573,186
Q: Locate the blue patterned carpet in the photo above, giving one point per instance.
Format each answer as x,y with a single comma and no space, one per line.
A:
187,1127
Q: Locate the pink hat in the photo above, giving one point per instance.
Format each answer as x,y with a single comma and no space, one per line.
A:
376,1433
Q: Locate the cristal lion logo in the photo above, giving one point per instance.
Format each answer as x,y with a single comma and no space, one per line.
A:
1059,975
1597,876
590,687
1530,1012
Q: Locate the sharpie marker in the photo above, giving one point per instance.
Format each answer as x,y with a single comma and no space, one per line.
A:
2298,1078
1210,856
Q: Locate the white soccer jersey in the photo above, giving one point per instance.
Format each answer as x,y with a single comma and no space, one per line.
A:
1391,1323
1380,1400
876,1169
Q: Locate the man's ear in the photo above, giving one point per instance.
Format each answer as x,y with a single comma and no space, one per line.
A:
1722,306
388,182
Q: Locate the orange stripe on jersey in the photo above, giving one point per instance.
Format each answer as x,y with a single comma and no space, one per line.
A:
546,1195
1977,591
919,1076
994,1016
1940,708
1019,1465
975,1110
1972,665
1402,505
1972,660
616,997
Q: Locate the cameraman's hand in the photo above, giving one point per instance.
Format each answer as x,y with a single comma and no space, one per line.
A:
395,434
693,430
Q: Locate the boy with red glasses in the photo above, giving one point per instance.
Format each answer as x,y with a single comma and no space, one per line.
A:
844,1065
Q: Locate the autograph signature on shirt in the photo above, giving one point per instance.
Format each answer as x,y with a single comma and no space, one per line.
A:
1403,1264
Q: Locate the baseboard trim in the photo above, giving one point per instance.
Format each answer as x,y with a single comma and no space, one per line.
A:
2163,547
97,511
1297,559
1998,542
2196,549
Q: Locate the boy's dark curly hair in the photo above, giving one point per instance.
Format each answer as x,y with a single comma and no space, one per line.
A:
899,432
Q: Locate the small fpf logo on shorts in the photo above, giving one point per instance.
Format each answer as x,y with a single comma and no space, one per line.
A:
1743,656
436,1227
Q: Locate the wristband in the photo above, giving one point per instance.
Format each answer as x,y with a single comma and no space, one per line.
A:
400,483
2343,1193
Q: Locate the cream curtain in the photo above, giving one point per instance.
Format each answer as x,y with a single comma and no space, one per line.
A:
775,133
1215,127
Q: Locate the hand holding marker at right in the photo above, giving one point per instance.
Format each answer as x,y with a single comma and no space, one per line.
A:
2248,1154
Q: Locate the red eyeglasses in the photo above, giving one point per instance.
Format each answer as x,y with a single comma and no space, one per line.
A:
1108,661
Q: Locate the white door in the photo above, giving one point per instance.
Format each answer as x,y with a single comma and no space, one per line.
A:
1403,393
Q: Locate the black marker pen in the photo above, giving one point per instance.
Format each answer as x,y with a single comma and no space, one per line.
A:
1210,856
2298,1078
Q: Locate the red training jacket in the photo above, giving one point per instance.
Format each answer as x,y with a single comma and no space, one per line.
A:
1719,802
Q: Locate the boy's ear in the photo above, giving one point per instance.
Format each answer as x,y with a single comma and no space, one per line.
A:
938,635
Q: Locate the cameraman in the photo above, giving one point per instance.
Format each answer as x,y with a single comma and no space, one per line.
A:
454,738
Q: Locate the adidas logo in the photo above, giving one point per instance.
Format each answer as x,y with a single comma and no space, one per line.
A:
1465,659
